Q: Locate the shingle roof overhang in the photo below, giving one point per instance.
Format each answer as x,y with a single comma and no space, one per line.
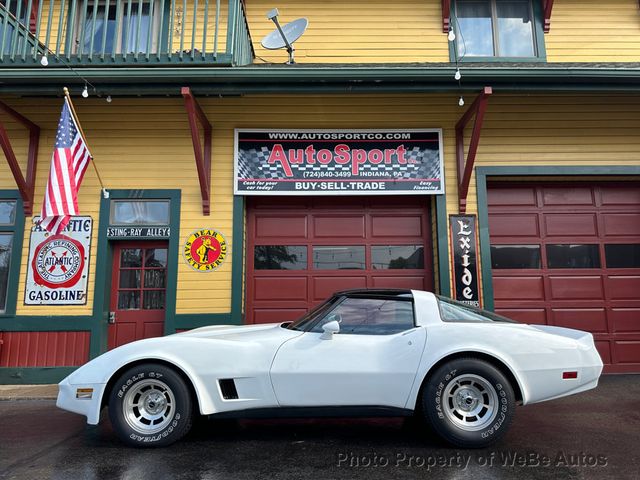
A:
329,78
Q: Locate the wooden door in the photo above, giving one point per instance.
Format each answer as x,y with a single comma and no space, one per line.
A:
138,291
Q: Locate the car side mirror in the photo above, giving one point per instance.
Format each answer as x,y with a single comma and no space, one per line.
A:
329,329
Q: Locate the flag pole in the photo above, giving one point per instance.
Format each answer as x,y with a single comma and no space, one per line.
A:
75,117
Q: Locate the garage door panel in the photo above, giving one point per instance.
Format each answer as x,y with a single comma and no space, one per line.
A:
604,349
525,225
627,351
523,196
621,224
620,195
280,288
351,226
518,288
624,287
324,287
274,315
415,283
537,316
625,319
570,224
591,319
397,225
567,195
576,288
281,226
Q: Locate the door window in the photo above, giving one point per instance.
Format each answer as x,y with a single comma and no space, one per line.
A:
142,281
371,316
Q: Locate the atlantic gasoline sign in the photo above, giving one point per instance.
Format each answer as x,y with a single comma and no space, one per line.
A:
338,162
205,250
58,265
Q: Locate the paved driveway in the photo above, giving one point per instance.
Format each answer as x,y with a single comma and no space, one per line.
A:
594,435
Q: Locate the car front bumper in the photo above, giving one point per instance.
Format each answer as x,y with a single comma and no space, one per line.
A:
85,399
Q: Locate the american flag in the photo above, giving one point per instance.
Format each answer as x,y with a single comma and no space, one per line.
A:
70,159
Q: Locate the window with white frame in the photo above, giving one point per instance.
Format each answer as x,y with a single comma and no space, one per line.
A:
495,28
117,26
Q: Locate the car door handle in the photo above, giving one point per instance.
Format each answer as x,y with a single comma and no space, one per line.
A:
409,331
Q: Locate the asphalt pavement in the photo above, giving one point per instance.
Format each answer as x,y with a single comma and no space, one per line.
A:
594,435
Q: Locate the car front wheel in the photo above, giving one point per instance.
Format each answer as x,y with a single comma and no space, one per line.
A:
469,403
150,406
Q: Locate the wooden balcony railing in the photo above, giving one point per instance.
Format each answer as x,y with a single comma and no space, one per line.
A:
124,32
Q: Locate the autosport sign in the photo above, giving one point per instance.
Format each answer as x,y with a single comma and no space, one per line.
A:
59,264
338,162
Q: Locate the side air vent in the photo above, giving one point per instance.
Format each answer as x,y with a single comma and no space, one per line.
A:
228,388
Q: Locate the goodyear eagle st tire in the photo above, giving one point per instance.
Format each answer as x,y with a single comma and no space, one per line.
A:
150,406
469,403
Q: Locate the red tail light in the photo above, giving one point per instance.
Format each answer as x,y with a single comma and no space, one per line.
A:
567,375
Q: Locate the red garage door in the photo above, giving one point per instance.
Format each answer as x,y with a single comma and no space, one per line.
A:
301,250
569,255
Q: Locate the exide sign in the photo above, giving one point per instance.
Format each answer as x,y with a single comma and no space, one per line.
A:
330,162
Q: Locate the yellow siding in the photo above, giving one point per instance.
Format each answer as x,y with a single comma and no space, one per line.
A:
361,31
357,31
594,31
145,143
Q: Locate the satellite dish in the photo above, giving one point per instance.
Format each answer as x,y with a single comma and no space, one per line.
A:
283,37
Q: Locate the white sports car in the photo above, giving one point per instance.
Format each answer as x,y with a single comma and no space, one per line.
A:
360,353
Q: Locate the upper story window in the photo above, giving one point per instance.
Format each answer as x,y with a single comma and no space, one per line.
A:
113,26
496,28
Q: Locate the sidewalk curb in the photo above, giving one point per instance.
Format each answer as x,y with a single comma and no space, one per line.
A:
28,392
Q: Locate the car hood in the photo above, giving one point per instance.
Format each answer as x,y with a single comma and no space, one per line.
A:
236,332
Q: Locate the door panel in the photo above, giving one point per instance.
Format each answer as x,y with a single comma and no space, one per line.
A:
372,370
138,295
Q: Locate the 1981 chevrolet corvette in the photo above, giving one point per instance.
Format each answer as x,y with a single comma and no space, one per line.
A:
360,353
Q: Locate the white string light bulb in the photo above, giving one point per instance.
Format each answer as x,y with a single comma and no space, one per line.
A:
452,35
461,101
108,98
44,61
458,75
85,92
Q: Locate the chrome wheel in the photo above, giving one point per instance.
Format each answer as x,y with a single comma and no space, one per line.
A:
470,402
149,406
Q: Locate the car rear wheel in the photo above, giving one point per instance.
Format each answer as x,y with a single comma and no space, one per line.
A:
469,403
150,406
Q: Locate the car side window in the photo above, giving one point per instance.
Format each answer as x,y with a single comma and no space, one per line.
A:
370,316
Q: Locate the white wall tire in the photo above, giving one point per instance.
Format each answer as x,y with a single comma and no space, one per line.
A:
150,406
468,402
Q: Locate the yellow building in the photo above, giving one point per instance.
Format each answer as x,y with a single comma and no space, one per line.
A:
239,188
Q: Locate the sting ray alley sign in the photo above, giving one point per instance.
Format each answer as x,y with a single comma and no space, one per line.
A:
59,264
338,162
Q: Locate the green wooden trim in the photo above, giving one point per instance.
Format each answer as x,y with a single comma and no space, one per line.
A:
16,252
538,35
483,215
46,323
33,375
485,246
187,321
443,245
237,265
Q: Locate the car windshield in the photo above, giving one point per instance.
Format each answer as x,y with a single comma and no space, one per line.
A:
454,311
302,324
